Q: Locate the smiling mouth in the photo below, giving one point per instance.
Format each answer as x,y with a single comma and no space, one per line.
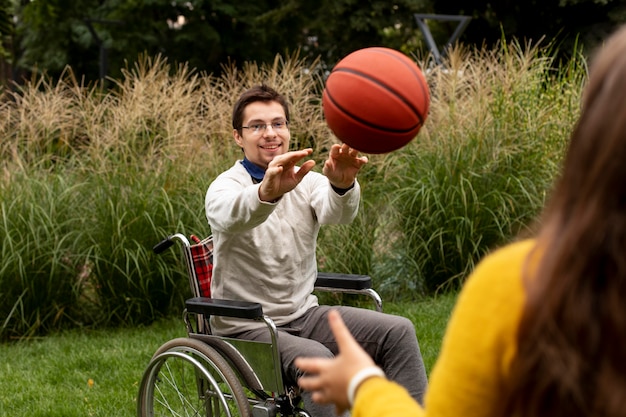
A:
271,147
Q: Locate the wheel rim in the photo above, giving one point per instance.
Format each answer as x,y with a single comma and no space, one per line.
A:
183,381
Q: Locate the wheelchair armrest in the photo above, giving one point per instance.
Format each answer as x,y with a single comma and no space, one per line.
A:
228,308
343,281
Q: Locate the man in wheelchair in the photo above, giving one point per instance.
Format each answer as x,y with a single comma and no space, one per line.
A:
265,213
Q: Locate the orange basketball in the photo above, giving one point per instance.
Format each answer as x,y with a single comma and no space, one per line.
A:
376,100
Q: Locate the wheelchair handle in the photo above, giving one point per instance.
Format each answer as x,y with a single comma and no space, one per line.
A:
163,245
168,242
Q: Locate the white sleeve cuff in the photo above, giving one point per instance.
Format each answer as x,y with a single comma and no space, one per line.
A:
358,379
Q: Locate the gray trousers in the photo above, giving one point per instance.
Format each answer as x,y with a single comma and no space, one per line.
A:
390,340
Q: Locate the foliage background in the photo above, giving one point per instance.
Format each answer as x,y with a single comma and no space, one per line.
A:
97,37
91,179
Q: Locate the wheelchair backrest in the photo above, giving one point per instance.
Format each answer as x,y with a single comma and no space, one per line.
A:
200,265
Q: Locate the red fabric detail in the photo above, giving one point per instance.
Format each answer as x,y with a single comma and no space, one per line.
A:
202,256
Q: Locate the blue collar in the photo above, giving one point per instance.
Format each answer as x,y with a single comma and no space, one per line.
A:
257,173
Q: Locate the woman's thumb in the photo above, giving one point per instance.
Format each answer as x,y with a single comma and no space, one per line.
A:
342,335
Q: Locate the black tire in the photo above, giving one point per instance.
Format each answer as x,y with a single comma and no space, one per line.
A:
186,377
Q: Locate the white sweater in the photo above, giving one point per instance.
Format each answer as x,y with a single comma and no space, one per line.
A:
265,252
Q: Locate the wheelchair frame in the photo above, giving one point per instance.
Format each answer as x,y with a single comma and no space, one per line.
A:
215,376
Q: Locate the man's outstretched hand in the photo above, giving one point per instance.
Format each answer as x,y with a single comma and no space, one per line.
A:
342,165
281,175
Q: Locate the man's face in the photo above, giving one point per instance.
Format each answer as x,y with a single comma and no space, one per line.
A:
265,133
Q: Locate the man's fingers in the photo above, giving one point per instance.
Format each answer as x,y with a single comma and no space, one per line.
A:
304,169
274,170
337,150
292,157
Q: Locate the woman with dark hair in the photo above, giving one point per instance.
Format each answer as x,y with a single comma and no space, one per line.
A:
540,326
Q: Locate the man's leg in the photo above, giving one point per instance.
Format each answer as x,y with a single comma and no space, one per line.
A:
291,347
390,340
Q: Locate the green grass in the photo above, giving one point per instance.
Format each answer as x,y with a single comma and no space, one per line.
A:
50,376
430,317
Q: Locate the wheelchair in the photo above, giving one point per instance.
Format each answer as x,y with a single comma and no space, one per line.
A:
215,376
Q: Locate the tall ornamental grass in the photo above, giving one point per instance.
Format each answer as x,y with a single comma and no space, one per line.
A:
91,179
480,172
42,261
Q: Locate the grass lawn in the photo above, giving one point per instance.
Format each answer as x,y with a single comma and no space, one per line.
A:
97,373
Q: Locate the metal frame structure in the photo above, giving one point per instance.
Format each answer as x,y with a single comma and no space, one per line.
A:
422,19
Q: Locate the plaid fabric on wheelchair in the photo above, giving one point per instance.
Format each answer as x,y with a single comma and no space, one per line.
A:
202,257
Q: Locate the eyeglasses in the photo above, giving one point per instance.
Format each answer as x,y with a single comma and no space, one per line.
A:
259,128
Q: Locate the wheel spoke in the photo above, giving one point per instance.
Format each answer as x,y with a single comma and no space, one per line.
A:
188,378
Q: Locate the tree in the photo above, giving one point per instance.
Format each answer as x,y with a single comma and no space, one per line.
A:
6,27
562,22
204,33
56,33
331,29
96,36
7,32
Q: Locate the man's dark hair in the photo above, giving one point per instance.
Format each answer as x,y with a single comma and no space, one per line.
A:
262,93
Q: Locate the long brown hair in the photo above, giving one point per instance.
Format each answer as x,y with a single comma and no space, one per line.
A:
571,358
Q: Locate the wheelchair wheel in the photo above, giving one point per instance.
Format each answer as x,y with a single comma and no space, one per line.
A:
189,378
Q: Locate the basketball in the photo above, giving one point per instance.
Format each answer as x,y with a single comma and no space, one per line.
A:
376,100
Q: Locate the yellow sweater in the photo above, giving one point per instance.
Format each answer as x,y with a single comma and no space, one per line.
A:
476,352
